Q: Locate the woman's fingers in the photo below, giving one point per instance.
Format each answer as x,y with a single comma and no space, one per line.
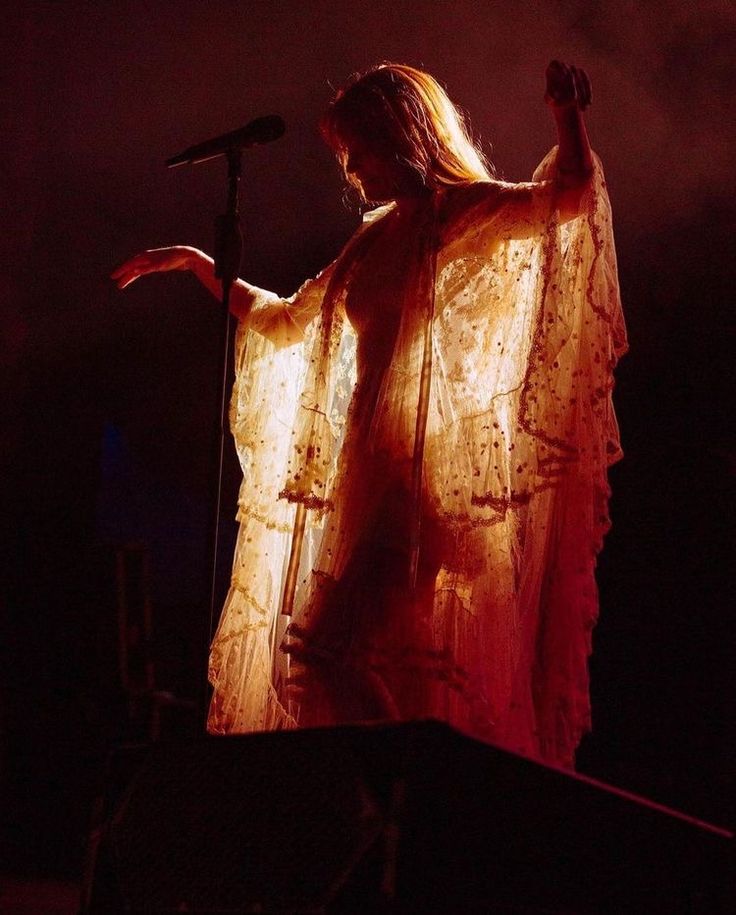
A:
555,75
154,260
582,89
585,89
567,84
129,270
559,83
555,69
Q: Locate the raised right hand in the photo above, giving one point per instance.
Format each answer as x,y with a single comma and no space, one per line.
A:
156,260
567,85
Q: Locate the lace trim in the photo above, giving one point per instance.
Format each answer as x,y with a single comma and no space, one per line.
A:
263,519
250,599
308,500
437,663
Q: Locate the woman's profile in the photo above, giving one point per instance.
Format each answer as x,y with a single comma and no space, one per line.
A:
425,430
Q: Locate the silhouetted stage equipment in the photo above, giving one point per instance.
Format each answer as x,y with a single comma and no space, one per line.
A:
392,819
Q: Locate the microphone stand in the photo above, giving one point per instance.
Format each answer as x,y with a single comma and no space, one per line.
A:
228,254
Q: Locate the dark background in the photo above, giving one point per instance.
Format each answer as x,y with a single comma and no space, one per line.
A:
109,399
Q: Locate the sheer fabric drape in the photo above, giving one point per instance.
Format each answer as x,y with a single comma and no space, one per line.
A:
525,329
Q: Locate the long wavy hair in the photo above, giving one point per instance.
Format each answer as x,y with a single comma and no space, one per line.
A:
405,110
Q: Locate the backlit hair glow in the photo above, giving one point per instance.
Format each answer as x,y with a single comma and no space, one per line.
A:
405,111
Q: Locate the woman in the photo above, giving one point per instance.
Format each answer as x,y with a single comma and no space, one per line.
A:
424,431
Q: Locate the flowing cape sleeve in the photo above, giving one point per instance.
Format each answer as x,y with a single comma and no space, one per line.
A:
295,371
567,407
272,351
520,438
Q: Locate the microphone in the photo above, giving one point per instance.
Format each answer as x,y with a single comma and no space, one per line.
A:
262,130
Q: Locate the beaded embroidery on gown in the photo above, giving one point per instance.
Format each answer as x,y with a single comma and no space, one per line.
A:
474,339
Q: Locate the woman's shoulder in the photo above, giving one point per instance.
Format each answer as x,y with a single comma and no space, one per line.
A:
469,193
459,198
469,206
461,204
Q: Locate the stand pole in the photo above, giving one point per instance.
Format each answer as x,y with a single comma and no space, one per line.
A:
228,254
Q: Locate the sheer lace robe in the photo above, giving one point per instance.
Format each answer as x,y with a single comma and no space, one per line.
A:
425,430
